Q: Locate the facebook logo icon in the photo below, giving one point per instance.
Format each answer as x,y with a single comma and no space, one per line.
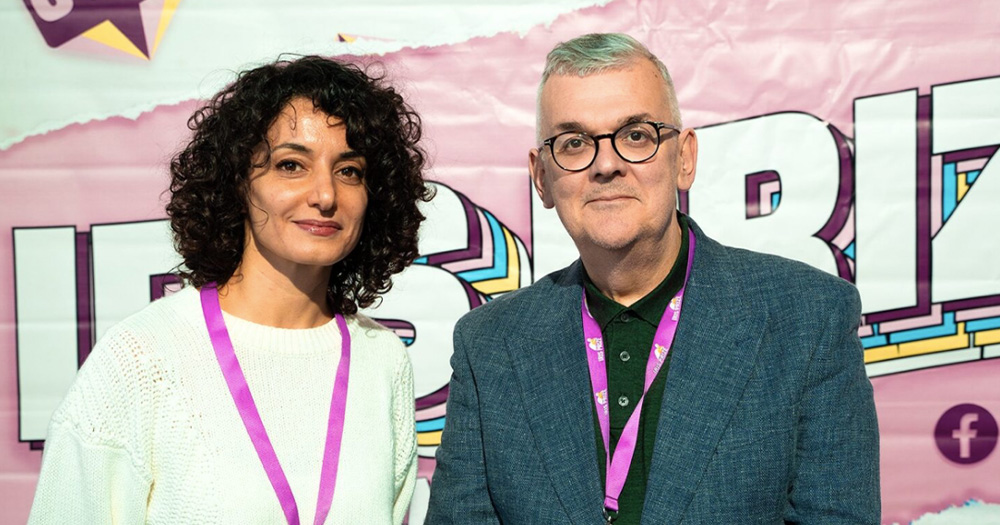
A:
966,433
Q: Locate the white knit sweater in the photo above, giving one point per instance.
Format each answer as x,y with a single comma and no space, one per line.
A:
150,434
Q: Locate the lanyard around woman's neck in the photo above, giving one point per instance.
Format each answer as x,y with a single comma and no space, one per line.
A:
240,391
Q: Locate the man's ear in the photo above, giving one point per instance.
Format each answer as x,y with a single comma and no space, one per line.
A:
536,167
687,159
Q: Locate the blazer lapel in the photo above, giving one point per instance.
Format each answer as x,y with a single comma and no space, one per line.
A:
713,355
555,391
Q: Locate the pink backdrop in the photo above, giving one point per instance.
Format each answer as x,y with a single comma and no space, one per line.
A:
730,61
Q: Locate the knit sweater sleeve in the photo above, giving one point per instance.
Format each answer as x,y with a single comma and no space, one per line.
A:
94,467
404,437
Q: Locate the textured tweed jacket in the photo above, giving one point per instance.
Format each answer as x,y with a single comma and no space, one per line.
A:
767,416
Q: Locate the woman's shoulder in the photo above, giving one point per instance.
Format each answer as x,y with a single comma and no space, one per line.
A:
375,341
128,359
115,389
163,325
368,329
179,310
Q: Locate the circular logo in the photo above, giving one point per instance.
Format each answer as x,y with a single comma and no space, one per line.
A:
966,433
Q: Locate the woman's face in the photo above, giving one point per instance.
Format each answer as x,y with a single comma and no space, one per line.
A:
307,205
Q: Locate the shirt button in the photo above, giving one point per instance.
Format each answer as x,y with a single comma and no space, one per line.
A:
625,317
623,401
624,356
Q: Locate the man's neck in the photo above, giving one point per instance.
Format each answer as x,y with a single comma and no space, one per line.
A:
289,298
627,275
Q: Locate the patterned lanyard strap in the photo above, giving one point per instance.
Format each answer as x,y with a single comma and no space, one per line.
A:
251,417
617,467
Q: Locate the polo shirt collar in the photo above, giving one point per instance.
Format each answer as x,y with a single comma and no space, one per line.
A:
650,308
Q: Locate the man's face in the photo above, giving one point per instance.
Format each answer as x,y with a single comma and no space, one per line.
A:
613,204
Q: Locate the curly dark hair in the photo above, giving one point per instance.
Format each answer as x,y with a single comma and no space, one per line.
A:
210,177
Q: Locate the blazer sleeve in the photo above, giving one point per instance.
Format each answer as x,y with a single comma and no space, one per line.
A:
459,489
837,455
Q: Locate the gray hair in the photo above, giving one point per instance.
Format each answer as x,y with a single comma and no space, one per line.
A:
600,52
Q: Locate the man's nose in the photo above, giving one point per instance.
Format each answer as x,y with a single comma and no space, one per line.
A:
607,162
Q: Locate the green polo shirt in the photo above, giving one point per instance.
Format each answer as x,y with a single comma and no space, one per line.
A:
628,336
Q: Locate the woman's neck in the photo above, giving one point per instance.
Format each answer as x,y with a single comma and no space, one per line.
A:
287,298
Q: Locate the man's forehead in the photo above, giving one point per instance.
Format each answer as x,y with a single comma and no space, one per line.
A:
606,98
574,125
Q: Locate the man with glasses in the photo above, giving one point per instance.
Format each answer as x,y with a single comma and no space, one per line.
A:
663,377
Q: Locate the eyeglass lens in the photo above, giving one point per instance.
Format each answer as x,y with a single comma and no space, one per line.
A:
634,142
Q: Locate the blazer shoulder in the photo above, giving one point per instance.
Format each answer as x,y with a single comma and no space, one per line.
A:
790,281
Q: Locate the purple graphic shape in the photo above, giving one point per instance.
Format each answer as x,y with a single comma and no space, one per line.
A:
985,152
474,249
475,298
433,399
842,209
158,285
753,184
966,433
968,304
84,318
397,324
84,15
923,306
402,329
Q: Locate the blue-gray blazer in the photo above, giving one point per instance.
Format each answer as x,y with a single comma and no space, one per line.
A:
767,416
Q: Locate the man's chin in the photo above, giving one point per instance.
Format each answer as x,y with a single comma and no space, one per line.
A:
613,241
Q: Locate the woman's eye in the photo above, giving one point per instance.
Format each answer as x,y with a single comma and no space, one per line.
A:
351,173
288,165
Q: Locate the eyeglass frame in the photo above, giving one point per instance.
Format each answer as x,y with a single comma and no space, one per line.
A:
659,126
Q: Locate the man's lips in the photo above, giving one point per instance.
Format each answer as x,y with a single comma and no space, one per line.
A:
610,194
320,228
609,198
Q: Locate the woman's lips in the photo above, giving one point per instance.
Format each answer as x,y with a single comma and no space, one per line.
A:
320,228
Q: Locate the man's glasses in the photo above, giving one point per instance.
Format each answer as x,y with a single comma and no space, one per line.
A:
635,142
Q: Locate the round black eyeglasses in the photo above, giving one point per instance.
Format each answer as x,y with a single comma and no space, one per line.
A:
634,142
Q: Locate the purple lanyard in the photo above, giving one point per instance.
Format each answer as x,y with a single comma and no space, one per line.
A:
255,427
617,467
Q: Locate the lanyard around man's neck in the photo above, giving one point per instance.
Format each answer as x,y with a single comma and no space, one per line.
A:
617,466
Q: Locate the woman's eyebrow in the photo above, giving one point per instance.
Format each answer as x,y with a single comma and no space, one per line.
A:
294,146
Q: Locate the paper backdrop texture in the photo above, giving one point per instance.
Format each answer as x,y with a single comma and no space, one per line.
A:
858,137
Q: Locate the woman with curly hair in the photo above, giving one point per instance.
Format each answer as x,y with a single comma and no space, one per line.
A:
258,393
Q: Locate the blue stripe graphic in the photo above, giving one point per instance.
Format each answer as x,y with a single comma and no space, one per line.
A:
949,191
947,327
431,425
873,340
499,268
982,324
